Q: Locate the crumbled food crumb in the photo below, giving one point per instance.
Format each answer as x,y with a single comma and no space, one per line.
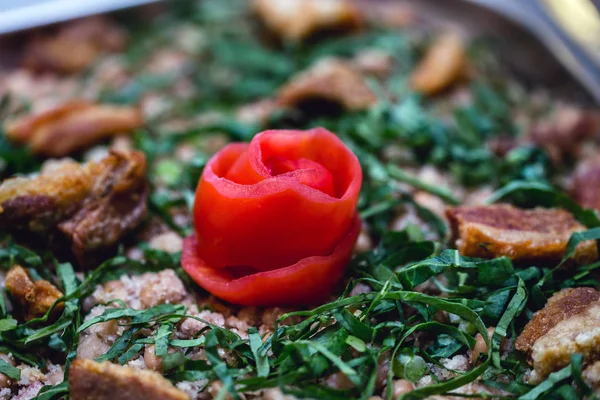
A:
97,339
89,380
72,126
29,392
298,19
190,326
538,235
459,363
35,298
591,375
142,291
330,80
161,288
169,242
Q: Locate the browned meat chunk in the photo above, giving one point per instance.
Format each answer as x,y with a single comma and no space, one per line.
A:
72,126
75,46
116,204
538,235
89,380
560,306
33,298
565,130
41,202
299,19
94,204
444,64
586,183
579,334
329,80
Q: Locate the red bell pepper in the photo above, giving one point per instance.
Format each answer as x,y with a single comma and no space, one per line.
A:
275,220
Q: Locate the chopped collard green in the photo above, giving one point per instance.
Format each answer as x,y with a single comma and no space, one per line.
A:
410,302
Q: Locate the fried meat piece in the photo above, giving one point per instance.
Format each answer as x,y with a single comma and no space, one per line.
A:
35,298
72,126
329,80
297,20
75,46
536,235
90,380
562,305
93,204
38,203
586,182
578,334
444,63
115,205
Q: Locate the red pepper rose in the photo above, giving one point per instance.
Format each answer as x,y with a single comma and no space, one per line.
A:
275,219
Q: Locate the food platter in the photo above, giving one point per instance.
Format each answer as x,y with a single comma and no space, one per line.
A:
324,200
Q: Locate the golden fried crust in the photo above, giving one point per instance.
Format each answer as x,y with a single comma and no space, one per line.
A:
297,20
586,182
93,204
75,46
560,306
536,235
579,333
72,126
90,380
443,65
34,298
39,203
331,80
115,205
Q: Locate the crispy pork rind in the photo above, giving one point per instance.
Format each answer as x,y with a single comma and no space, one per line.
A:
443,65
115,205
90,380
75,46
72,126
579,334
562,305
586,183
38,204
297,20
94,204
330,81
34,298
535,235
